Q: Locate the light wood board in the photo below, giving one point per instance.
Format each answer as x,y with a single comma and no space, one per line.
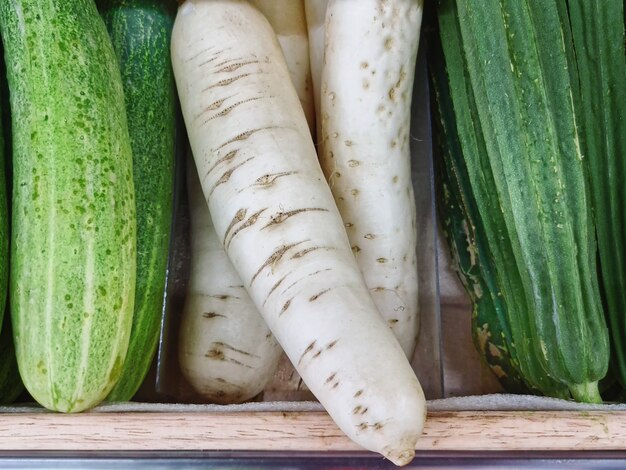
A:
305,431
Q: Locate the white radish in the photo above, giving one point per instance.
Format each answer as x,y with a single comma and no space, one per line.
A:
226,351
367,82
289,23
315,18
275,214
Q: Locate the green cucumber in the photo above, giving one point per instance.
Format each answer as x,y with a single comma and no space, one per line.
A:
509,73
489,332
465,127
466,238
598,37
73,213
11,385
140,32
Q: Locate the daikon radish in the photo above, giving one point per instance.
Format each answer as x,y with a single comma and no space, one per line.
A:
367,81
276,217
226,351
289,23
315,18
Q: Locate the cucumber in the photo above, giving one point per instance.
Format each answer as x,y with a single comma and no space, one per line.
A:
73,213
11,385
512,94
140,31
465,235
599,42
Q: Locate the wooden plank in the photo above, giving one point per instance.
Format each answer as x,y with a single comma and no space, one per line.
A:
305,431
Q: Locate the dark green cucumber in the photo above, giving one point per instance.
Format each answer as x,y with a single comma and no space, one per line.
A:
466,127
465,233
11,385
520,142
73,232
598,37
140,31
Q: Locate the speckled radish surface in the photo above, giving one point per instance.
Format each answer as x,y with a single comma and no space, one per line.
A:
366,87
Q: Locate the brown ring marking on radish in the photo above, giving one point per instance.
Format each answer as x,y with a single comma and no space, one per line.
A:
268,180
233,67
208,61
248,223
282,216
212,107
318,295
303,278
240,215
274,287
245,135
227,110
226,158
201,52
224,297
226,81
285,307
211,315
308,349
226,176
275,257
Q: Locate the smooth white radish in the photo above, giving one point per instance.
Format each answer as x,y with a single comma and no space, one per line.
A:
367,82
276,216
289,23
315,18
225,349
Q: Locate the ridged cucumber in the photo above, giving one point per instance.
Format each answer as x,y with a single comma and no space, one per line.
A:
465,236
471,260
73,233
529,182
599,44
140,31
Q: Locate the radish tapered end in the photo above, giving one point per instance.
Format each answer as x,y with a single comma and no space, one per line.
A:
401,457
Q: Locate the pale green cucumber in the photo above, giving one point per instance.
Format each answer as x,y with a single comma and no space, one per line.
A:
73,234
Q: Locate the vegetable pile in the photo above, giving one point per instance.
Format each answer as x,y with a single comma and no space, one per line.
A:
295,135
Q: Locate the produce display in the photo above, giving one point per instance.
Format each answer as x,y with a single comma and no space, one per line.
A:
533,149
295,118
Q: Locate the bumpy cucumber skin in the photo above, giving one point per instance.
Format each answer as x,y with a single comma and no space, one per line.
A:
140,31
73,234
